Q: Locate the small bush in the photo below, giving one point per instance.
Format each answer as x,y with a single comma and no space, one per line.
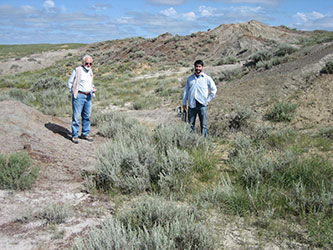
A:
17,172
281,112
328,69
285,49
21,95
261,56
227,60
55,214
171,169
326,132
151,223
113,125
243,114
125,165
54,101
178,135
48,83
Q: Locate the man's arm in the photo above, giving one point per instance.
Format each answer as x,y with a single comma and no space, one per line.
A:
212,90
185,96
71,81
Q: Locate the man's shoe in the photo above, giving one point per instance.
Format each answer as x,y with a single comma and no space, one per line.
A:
75,140
87,137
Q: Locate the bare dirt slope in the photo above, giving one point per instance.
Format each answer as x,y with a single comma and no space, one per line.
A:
47,141
298,81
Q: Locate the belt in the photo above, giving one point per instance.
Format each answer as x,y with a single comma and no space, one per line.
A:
80,92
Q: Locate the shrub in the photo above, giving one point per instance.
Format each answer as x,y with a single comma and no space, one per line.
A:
285,49
229,75
328,69
281,112
178,135
326,132
48,83
19,95
55,214
54,101
125,165
227,60
113,125
171,169
243,114
17,172
261,56
151,223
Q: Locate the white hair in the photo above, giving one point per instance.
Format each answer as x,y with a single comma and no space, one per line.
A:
85,57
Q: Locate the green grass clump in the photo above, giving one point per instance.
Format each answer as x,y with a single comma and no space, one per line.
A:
17,172
150,223
281,112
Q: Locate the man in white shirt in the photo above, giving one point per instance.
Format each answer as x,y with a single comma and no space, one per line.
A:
80,85
199,90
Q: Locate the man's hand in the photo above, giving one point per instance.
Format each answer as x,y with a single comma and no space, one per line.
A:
185,107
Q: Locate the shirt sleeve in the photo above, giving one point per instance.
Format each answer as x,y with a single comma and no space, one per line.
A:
185,95
212,89
71,81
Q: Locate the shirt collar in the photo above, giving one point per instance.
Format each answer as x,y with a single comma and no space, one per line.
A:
85,69
201,75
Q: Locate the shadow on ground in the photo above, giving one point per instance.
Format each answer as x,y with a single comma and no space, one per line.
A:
57,129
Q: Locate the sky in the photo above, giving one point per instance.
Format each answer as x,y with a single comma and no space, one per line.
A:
73,21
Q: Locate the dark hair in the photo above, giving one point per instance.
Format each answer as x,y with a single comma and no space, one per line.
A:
199,62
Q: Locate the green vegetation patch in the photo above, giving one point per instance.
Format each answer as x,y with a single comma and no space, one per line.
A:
17,172
150,223
281,112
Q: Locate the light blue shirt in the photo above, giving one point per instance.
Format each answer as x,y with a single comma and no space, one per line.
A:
201,88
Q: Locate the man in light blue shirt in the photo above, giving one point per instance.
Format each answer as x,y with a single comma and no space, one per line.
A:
199,90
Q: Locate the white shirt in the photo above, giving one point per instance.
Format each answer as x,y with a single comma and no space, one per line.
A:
200,88
85,84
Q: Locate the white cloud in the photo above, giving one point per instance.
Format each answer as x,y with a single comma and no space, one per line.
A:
166,2
206,11
190,16
169,12
313,20
101,6
48,4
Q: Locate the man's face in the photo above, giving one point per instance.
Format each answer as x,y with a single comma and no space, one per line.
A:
198,69
88,62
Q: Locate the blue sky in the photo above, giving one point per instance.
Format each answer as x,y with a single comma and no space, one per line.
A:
64,21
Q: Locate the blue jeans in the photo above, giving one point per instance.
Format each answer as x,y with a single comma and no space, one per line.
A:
81,107
201,110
